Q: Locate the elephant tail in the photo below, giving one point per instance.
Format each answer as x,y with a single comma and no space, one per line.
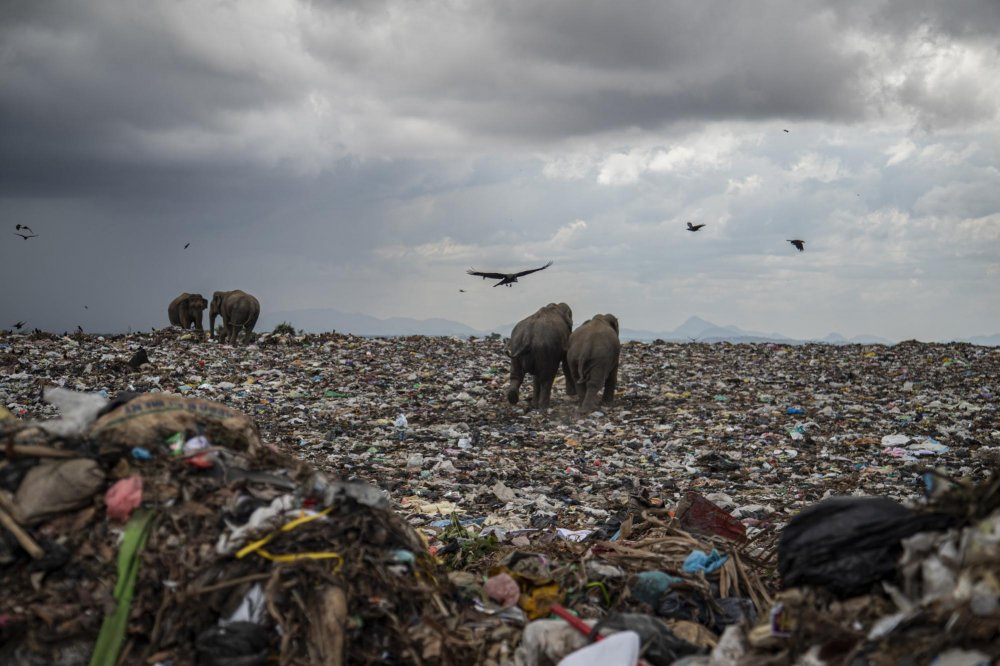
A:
519,350
246,321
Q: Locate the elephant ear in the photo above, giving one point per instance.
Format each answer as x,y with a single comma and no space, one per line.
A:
567,314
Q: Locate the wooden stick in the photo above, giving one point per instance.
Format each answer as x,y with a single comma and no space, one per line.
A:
228,583
22,537
37,451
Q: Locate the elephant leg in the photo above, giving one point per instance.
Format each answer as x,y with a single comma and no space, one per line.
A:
249,327
233,332
545,394
536,389
516,377
592,396
610,384
570,384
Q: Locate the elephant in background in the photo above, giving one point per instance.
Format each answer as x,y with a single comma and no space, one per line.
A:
592,358
537,346
239,311
187,310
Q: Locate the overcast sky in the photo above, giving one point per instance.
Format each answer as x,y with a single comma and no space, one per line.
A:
363,155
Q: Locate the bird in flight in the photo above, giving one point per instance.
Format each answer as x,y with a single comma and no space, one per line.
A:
785,131
25,236
19,325
79,329
505,278
800,245
186,245
25,227
461,291
694,227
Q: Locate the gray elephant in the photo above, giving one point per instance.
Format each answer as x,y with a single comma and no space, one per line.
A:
187,310
592,358
538,346
239,311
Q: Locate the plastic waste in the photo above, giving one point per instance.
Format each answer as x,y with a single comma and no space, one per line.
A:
650,586
697,513
659,644
621,648
700,561
77,411
124,496
502,589
846,544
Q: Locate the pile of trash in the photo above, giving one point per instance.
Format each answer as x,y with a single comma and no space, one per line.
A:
682,523
871,581
159,529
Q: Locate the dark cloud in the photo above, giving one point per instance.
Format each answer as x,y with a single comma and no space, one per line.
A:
362,154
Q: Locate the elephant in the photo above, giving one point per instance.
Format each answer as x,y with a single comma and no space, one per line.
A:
537,346
592,358
239,311
187,310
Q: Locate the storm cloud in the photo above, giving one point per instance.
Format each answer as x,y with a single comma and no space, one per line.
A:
362,155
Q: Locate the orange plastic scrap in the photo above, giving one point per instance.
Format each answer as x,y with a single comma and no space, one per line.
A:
699,514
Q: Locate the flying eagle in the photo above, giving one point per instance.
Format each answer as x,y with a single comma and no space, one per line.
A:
505,278
800,245
694,227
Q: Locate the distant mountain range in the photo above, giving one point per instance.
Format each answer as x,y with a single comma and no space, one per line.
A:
985,340
695,329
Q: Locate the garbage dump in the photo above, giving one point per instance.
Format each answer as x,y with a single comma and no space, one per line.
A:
334,499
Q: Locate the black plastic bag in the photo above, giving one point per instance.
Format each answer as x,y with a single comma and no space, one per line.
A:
235,644
845,544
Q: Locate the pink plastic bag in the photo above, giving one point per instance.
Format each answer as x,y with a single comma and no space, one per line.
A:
123,497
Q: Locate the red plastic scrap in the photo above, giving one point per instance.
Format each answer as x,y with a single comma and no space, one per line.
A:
697,513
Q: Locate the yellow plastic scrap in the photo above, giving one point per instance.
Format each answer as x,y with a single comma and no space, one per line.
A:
537,593
258,546
5,413
537,601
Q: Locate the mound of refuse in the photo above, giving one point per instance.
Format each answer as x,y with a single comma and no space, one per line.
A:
160,530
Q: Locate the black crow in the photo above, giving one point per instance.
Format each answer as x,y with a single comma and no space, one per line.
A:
694,227
799,244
